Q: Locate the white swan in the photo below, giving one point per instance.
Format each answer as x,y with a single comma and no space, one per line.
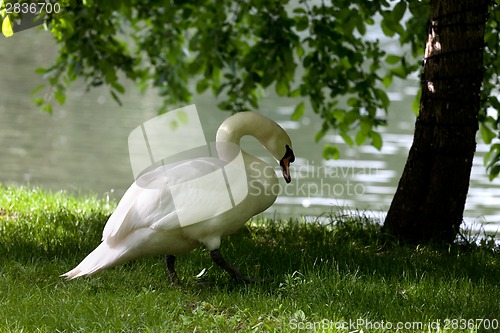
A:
145,223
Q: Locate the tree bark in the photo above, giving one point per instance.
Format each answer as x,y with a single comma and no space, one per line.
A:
430,198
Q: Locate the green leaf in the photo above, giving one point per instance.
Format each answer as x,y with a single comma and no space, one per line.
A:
386,29
41,70
301,23
351,117
399,11
347,138
202,86
486,133
330,152
391,26
7,27
195,67
296,92
183,117
494,171
369,20
37,89
60,96
225,105
387,81
382,97
339,115
173,124
320,135
281,88
360,25
118,87
365,126
39,101
360,138
353,101
253,99
300,51
492,156
348,26
299,10
392,59
376,140
47,108
399,71
494,102
299,111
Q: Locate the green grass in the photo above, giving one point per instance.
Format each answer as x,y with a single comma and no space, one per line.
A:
308,276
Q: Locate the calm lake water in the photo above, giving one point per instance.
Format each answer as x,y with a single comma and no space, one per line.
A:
82,146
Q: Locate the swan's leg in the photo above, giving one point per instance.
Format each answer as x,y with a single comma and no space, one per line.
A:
170,261
233,271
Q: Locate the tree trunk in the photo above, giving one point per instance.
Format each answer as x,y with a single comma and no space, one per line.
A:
430,198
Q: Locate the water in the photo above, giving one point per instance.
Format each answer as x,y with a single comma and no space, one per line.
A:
82,146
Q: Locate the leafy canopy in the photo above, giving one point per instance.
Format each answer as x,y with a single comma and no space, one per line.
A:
320,51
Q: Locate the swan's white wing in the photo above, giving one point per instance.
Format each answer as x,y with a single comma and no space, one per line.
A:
150,205
121,211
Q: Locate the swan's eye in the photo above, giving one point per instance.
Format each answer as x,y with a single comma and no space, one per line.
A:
289,154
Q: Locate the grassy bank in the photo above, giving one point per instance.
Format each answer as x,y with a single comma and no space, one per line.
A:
342,277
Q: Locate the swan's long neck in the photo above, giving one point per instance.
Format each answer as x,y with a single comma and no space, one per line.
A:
260,175
246,123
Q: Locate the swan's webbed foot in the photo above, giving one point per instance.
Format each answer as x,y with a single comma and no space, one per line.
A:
233,271
170,261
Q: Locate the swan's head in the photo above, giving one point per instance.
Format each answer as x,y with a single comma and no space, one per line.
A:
285,161
280,146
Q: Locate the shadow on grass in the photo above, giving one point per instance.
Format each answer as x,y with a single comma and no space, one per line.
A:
50,235
268,251
353,245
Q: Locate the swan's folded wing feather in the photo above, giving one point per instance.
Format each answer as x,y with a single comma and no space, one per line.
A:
122,209
150,205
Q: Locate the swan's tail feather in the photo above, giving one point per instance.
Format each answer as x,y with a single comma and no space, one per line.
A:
101,258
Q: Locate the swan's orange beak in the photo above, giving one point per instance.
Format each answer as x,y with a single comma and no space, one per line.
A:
285,164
